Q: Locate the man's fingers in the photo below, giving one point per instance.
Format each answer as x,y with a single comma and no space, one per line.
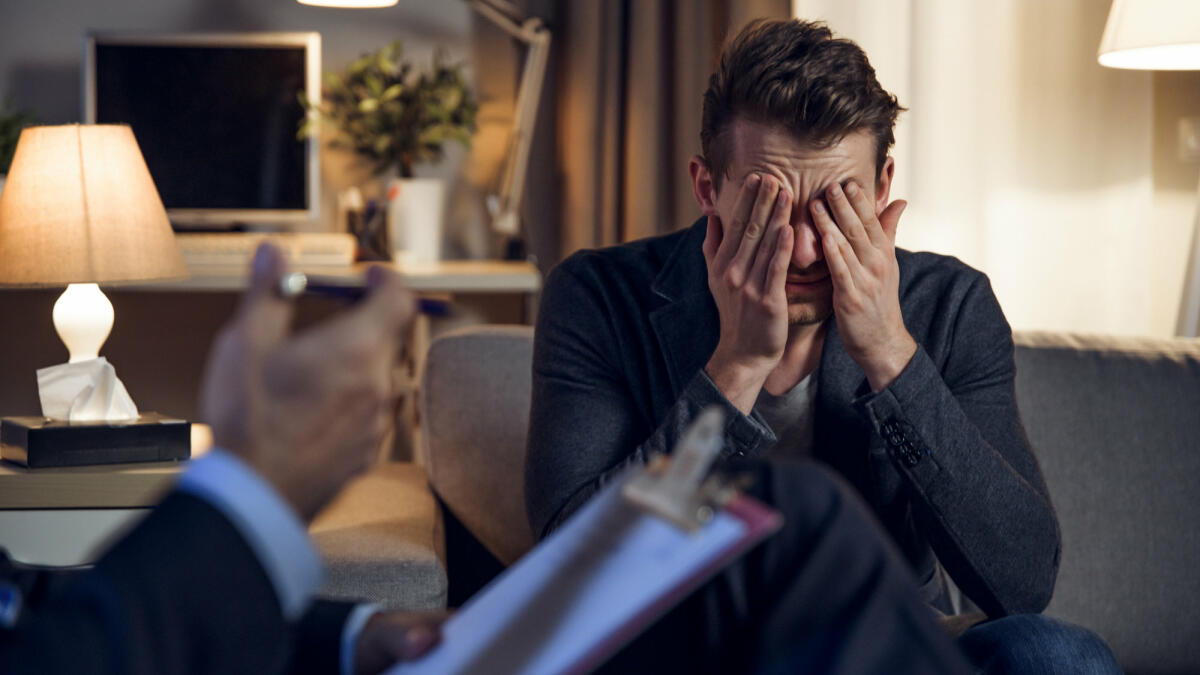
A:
778,267
389,637
265,313
765,204
830,230
847,219
742,208
389,305
835,259
865,210
364,340
768,250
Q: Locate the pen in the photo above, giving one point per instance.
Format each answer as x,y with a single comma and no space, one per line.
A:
296,284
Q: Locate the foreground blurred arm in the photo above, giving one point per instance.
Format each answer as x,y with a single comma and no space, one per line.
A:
215,577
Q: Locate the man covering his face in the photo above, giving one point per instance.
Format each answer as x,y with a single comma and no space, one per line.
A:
788,305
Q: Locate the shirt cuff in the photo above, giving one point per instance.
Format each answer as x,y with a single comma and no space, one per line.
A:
745,435
267,523
350,631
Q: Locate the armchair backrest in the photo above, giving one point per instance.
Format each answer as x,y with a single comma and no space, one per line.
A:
474,416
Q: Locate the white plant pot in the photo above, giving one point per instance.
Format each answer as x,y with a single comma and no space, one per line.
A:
414,215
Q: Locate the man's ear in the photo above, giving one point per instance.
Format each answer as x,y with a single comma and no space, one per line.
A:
883,185
702,185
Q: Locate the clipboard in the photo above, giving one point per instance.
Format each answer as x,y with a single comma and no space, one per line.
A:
633,552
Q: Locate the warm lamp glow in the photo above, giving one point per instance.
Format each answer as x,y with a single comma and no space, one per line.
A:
350,4
1160,35
1152,35
79,207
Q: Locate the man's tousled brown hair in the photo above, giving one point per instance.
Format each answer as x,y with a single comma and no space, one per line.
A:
796,75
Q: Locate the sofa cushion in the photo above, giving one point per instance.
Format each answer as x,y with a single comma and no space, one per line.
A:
1115,423
381,540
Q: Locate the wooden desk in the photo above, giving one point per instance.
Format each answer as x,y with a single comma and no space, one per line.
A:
450,276
114,486
65,516
104,486
163,331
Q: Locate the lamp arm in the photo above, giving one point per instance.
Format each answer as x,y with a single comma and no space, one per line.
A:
526,31
1188,323
505,208
512,183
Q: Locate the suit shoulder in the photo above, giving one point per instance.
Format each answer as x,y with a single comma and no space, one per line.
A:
923,272
944,299
635,262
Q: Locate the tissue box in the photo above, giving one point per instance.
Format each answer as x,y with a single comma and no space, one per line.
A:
39,442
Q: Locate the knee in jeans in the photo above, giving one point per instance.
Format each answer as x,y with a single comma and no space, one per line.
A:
1035,643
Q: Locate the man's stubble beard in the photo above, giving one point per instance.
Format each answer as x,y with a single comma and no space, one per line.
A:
808,311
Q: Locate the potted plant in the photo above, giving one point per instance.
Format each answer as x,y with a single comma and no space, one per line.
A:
397,116
12,121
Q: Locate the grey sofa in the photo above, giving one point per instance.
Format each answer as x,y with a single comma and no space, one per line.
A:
1115,423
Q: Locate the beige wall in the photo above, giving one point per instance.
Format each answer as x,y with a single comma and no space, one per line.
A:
1026,159
41,43
1176,185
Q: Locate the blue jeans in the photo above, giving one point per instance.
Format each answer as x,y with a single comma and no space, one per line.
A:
1036,644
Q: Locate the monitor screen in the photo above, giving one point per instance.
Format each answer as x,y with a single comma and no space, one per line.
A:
216,117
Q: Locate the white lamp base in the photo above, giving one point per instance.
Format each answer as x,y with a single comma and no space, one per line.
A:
83,317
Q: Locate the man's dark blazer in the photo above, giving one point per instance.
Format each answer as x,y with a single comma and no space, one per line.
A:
182,593
622,338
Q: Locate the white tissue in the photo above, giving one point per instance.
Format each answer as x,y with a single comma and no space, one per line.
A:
84,391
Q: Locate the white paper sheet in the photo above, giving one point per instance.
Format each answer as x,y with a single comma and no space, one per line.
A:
603,576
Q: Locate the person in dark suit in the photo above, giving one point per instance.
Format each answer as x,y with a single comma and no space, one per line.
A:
788,305
219,577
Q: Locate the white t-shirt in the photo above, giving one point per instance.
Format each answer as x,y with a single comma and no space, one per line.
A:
790,415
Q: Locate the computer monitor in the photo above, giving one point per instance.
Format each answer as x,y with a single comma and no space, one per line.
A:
216,116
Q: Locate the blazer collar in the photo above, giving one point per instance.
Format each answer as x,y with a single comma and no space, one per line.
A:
684,273
686,324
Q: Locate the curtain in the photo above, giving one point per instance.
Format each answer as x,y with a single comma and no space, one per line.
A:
622,117
1025,158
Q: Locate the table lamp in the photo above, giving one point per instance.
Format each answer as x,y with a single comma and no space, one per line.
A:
1160,35
79,209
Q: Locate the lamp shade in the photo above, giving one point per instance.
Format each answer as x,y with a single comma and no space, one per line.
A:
79,206
1152,35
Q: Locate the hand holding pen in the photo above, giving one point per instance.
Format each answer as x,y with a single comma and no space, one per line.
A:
295,284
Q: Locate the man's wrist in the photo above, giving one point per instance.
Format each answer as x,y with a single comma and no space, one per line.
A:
884,367
739,381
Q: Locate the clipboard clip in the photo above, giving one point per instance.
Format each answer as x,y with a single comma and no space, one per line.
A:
678,488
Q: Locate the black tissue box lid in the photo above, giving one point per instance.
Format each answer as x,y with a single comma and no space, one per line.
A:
39,442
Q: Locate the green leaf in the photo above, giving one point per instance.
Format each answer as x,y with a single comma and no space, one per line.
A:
395,113
392,92
374,83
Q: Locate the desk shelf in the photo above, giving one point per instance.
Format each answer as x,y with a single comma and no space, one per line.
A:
450,276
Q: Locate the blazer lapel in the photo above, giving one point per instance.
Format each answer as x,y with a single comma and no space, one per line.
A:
840,436
686,326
